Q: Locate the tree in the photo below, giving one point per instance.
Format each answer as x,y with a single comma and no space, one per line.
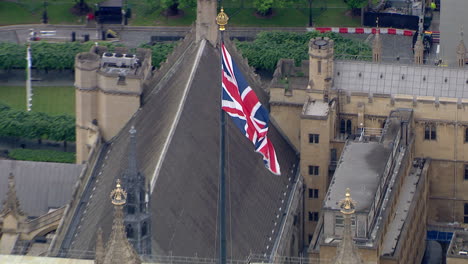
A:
354,4
265,7
172,7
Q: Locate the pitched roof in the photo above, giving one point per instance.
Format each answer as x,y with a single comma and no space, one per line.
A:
184,198
40,186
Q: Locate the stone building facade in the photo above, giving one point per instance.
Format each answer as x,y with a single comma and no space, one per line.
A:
326,104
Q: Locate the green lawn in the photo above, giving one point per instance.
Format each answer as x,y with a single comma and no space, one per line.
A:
54,100
242,13
42,155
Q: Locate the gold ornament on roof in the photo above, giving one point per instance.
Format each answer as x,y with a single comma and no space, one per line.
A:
118,195
347,204
222,20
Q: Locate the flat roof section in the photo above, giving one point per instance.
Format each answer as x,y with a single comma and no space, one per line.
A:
392,79
316,108
360,170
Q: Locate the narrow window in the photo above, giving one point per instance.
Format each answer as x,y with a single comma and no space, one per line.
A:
349,127
466,172
427,132
465,219
129,231
342,126
310,238
433,132
466,134
130,209
144,229
319,67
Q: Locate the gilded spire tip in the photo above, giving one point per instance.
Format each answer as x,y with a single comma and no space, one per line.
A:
347,204
118,195
222,19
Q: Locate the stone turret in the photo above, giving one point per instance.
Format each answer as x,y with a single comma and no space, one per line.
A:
118,248
321,52
108,86
461,51
347,252
206,21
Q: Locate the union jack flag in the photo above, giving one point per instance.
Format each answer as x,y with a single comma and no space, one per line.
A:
241,103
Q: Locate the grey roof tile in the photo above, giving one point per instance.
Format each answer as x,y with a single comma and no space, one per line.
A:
40,186
184,201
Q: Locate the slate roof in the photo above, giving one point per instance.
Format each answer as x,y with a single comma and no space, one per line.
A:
40,186
360,169
419,80
184,200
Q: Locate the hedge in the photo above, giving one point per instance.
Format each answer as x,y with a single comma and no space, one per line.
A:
42,155
59,56
36,125
269,47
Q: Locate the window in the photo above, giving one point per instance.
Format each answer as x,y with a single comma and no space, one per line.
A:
144,229
129,231
313,170
466,134
342,126
430,132
349,127
309,238
339,221
319,66
130,209
466,171
314,138
465,219
313,193
313,216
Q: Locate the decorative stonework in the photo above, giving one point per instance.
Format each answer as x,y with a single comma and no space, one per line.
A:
347,252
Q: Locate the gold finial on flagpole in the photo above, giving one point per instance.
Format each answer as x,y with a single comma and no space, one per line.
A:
222,20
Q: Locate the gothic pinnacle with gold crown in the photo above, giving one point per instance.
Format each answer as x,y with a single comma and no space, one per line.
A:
347,204
118,195
222,20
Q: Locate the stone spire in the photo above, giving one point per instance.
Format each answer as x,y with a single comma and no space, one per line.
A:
347,252
100,252
377,45
118,249
11,203
137,218
419,45
461,50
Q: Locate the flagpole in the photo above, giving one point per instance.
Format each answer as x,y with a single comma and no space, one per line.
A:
221,20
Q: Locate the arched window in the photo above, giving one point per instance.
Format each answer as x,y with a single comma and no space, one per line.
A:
129,231
144,229
348,127
342,126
